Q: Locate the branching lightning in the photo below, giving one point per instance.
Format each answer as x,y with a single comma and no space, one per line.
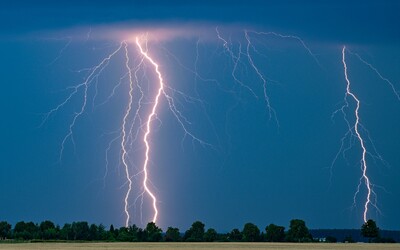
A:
148,128
349,95
263,79
364,166
136,121
149,92
94,73
247,53
358,133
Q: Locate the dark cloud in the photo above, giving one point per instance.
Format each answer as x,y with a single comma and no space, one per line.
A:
338,21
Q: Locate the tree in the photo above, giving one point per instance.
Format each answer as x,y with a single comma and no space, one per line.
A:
235,235
26,231
111,233
5,230
44,225
210,235
32,229
275,233
133,232
370,230
195,233
124,234
298,232
48,230
251,232
93,232
102,232
80,230
153,233
19,231
141,235
172,234
66,232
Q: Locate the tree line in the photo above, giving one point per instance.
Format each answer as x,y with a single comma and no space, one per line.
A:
82,231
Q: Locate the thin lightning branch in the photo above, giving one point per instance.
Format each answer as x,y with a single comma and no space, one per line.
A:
137,115
124,136
235,61
290,37
106,158
395,91
112,92
195,71
95,71
61,51
266,97
88,34
182,120
364,166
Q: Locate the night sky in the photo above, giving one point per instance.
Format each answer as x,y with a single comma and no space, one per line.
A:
253,168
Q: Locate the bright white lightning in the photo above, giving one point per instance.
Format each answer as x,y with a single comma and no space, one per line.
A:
182,120
364,166
148,128
129,131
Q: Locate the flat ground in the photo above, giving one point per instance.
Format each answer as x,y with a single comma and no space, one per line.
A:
189,246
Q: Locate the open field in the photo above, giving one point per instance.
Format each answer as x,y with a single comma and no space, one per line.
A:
188,246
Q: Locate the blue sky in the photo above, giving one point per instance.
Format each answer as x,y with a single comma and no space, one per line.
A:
256,169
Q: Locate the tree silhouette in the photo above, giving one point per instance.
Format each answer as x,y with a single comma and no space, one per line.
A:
274,233
298,232
195,233
251,232
235,235
5,230
370,230
172,234
152,232
210,235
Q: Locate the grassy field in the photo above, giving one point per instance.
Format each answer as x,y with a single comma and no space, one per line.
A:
188,246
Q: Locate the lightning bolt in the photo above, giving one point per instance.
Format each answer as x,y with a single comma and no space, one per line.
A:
357,125
358,133
133,126
148,127
177,114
